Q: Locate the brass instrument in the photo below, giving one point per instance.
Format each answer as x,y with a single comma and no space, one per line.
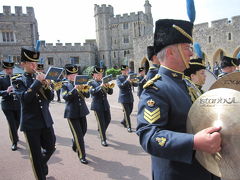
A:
83,88
218,107
57,85
111,85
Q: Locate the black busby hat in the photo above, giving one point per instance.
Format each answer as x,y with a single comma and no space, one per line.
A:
194,66
7,64
228,61
140,69
170,31
123,67
71,69
97,70
150,52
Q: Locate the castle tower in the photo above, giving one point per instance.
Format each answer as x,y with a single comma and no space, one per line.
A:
102,16
148,11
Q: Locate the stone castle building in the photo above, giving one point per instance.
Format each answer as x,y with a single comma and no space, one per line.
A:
120,39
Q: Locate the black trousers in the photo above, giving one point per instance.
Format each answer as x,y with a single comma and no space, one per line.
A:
79,128
103,120
127,109
38,139
58,95
13,118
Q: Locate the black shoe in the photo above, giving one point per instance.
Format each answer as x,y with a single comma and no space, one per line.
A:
104,143
74,147
83,161
45,169
129,130
124,124
14,147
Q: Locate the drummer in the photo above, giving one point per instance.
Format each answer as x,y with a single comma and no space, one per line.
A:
228,65
163,109
196,72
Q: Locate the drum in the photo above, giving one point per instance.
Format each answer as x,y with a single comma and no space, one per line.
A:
210,79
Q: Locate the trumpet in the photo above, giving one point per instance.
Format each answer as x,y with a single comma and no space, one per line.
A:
110,85
83,88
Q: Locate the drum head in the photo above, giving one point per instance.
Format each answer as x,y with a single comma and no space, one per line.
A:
210,79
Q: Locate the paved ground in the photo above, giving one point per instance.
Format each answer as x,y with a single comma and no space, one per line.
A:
123,159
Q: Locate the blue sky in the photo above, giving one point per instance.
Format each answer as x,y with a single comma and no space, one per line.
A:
73,20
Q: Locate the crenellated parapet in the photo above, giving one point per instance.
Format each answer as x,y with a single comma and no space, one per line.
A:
68,47
7,11
218,24
103,9
132,17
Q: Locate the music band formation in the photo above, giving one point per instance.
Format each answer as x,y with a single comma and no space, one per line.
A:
173,82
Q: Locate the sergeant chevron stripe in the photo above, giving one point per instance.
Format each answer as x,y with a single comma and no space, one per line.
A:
151,117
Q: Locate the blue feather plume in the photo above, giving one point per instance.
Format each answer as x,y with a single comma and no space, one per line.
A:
191,10
238,56
197,49
101,64
37,46
41,60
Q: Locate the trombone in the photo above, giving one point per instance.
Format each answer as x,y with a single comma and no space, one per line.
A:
83,88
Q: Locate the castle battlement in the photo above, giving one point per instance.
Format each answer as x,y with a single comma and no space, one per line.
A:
218,24
139,16
7,11
103,9
67,47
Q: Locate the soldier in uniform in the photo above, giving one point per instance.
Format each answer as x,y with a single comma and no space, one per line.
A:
125,96
36,121
100,105
228,65
142,80
153,70
75,111
9,102
196,72
164,106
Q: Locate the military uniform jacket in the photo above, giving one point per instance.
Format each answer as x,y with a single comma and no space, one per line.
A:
152,71
99,96
142,81
7,102
75,101
125,89
34,104
162,115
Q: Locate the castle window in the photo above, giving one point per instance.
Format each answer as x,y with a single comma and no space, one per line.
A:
229,36
115,41
50,60
125,25
114,54
74,60
209,39
102,56
8,36
126,39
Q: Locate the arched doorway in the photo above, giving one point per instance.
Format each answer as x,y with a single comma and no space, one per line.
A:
218,55
236,52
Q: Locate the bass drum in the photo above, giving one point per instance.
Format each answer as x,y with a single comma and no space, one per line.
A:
210,79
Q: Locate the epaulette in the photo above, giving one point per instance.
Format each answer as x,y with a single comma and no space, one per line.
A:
151,81
2,75
152,68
